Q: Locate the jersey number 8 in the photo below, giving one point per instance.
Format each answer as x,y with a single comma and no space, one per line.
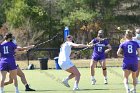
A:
130,50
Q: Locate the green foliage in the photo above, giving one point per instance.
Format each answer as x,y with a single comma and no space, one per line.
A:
79,15
15,15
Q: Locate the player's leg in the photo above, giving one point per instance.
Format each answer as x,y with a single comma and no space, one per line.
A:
93,64
2,79
103,65
74,73
138,71
10,81
126,74
14,77
23,79
134,82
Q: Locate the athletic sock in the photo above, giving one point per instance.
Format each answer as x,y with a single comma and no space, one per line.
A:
1,89
75,85
92,78
105,77
16,89
67,78
126,86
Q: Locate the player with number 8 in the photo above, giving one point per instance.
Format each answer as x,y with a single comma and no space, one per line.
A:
130,61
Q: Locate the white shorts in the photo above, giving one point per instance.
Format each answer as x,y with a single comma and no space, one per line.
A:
65,64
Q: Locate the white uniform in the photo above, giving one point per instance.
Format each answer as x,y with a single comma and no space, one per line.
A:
138,41
64,56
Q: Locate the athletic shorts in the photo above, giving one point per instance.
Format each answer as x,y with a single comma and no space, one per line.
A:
98,58
132,67
65,64
7,64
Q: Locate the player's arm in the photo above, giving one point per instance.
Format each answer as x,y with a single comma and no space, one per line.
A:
119,52
108,48
23,49
79,45
138,50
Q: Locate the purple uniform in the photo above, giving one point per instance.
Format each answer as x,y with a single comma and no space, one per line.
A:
7,60
99,49
130,61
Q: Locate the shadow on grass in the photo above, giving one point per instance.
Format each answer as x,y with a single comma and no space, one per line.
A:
73,91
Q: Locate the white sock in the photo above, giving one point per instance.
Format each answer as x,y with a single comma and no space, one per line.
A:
1,89
105,77
67,78
136,79
92,78
16,89
75,85
126,86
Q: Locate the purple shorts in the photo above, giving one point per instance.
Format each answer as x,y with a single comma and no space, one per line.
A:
132,67
98,57
7,64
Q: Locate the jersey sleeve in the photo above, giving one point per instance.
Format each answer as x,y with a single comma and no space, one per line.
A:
137,45
106,42
121,45
15,46
94,41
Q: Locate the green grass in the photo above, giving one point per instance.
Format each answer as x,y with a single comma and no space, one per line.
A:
48,81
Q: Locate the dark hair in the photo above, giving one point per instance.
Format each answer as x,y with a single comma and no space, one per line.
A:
8,36
69,36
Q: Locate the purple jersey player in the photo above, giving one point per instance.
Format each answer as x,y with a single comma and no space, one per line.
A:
99,55
7,61
130,61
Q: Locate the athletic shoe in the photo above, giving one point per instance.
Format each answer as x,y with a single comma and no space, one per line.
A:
105,81
28,88
133,90
65,82
75,88
93,82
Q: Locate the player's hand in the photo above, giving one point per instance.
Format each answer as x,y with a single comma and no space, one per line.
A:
89,45
31,46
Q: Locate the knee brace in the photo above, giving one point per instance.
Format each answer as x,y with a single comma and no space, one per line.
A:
104,68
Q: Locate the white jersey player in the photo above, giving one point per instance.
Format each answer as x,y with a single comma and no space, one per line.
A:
65,62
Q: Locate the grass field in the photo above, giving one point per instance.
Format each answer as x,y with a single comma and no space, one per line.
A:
49,81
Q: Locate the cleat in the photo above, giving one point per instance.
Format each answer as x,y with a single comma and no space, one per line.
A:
93,82
75,88
65,82
29,89
105,81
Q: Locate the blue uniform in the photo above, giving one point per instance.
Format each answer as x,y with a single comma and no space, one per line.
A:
130,61
7,60
99,49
